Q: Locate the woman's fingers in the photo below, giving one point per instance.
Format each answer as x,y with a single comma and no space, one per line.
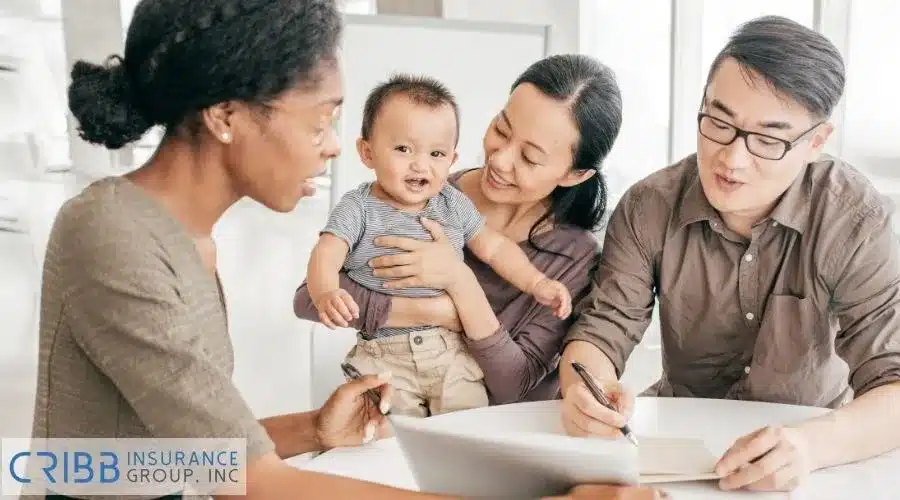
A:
400,242
437,232
387,393
404,283
396,271
399,259
356,388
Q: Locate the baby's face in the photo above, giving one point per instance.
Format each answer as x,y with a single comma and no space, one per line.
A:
411,149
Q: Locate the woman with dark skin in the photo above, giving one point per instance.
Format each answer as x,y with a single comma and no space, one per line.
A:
133,332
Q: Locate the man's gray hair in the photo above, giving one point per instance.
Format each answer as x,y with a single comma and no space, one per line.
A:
794,60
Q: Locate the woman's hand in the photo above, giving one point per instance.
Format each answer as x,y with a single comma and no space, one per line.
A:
350,418
612,492
433,264
583,416
442,311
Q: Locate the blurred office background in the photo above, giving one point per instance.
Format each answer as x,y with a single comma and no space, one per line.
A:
660,50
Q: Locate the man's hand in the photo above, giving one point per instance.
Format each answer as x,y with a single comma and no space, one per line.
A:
553,294
770,459
336,308
584,416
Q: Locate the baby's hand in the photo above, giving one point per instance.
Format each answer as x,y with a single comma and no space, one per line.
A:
554,294
336,308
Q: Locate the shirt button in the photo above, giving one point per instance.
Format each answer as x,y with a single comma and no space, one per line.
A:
748,257
774,223
418,340
746,369
749,316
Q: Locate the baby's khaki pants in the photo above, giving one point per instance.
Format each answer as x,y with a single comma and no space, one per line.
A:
433,372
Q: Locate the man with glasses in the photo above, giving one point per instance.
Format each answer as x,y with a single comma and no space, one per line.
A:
775,266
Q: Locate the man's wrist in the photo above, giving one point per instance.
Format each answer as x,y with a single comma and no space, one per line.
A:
815,435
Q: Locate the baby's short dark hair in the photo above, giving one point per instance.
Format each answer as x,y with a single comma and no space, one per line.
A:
422,90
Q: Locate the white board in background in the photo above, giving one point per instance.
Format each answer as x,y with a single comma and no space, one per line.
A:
478,61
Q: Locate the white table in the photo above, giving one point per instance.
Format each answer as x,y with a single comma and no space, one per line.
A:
717,422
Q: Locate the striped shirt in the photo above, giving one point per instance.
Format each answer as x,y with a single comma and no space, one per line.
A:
359,218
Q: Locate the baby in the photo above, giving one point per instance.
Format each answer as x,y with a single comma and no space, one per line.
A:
409,134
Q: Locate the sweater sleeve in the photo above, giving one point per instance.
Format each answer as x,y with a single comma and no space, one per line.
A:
128,313
514,363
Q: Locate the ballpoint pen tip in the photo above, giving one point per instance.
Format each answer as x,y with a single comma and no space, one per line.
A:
633,439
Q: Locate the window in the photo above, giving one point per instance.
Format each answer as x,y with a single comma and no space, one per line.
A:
32,93
633,39
870,127
720,19
358,6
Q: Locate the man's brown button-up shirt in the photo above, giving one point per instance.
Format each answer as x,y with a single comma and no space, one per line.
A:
807,311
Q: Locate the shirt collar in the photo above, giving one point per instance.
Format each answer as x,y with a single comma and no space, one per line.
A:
790,210
793,207
694,206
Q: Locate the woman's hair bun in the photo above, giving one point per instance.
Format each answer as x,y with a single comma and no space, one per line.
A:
102,101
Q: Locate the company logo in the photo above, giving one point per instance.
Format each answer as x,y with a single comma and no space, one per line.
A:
123,466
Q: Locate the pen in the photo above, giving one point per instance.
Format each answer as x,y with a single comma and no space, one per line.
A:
352,373
600,397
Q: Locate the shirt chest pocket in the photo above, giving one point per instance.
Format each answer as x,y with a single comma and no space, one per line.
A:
793,335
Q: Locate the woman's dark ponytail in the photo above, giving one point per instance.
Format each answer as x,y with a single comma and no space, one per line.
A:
594,97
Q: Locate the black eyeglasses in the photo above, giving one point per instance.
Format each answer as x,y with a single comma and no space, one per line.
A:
761,145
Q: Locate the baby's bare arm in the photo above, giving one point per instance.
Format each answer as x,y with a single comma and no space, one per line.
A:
325,264
506,258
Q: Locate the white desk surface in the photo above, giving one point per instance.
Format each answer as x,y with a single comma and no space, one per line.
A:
717,422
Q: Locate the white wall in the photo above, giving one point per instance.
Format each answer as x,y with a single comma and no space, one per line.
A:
562,16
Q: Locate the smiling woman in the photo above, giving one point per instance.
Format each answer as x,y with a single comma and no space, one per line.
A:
541,187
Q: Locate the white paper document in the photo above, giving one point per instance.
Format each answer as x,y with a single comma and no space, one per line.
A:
674,459
533,463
